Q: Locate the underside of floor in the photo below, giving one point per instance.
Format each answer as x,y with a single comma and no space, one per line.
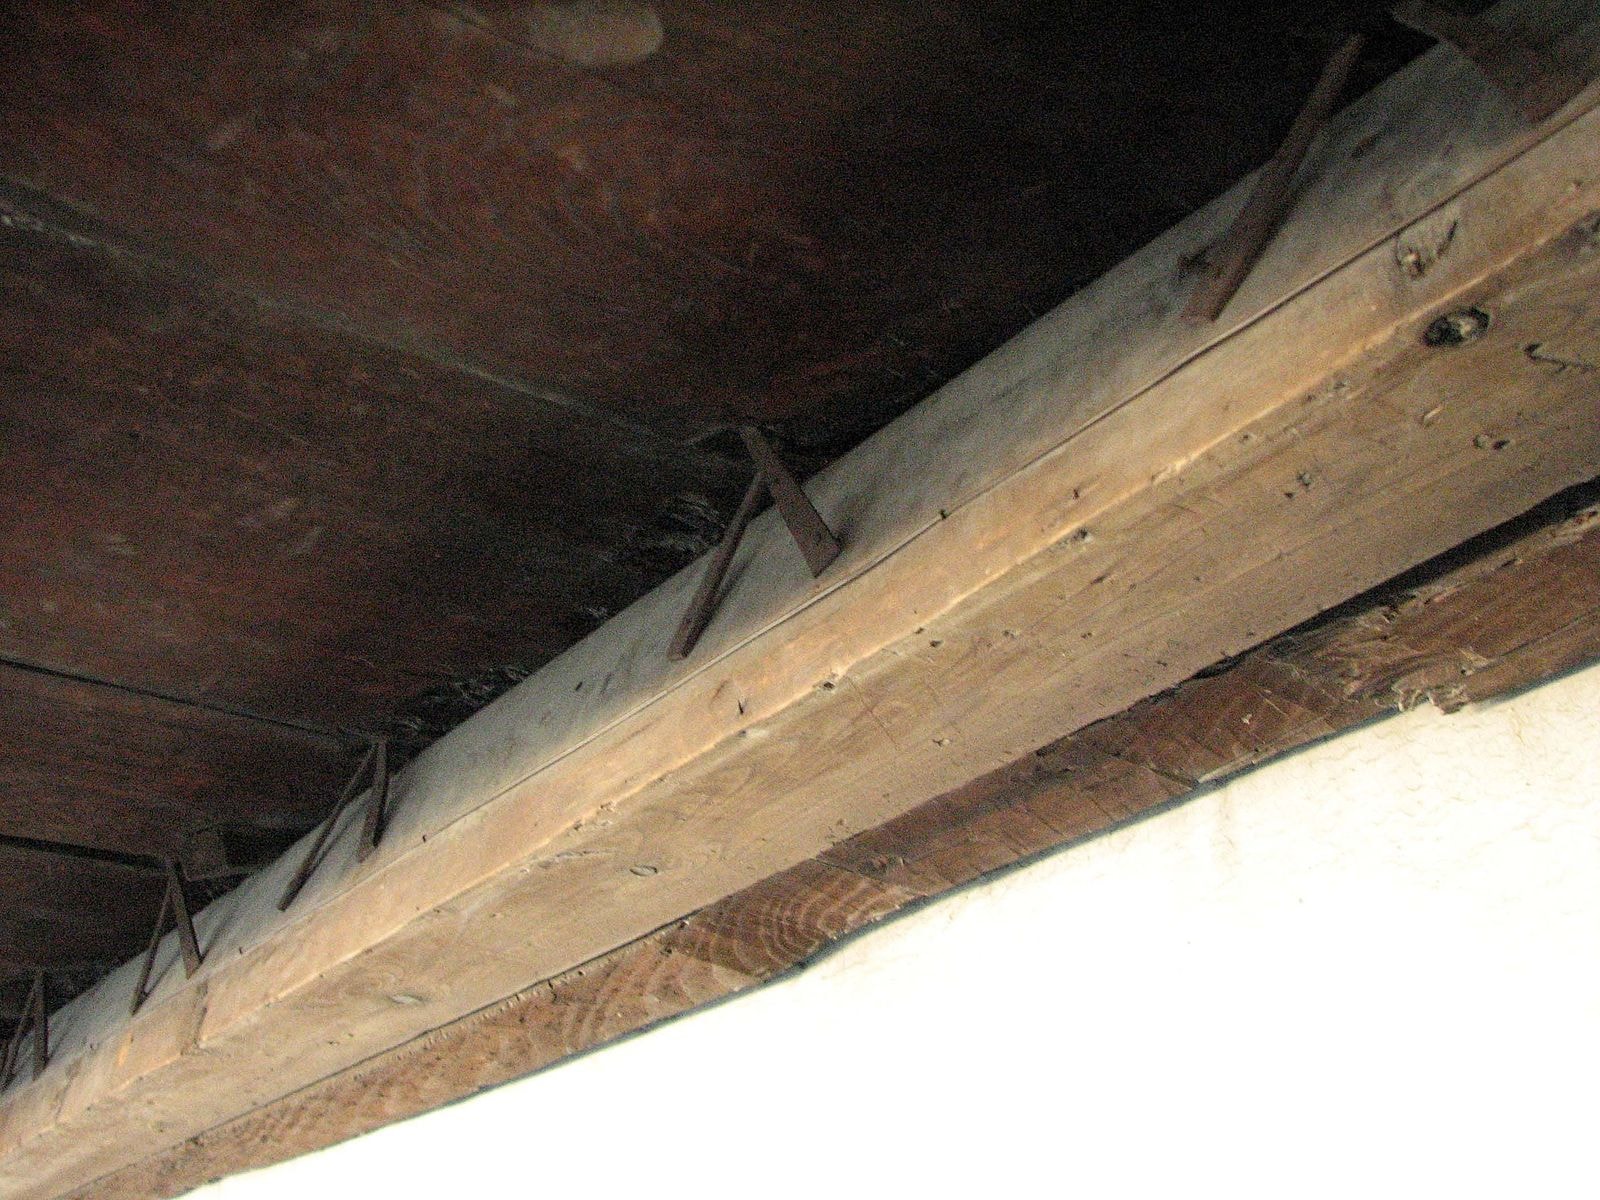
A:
359,358
367,365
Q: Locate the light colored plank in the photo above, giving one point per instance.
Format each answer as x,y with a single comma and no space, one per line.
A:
1105,536
1481,616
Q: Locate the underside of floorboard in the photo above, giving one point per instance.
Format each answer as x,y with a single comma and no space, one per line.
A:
1107,506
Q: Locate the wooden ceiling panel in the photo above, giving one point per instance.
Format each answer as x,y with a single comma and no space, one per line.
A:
359,357
97,767
225,502
783,209
69,912
402,167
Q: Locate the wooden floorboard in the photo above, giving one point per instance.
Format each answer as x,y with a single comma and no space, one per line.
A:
233,504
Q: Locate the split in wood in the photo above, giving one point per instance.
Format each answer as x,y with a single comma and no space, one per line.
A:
176,902
375,762
1230,261
1528,75
36,1017
805,525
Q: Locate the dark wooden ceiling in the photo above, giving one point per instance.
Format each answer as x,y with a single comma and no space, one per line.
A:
358,357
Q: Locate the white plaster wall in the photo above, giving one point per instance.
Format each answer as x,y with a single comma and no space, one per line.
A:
1370,969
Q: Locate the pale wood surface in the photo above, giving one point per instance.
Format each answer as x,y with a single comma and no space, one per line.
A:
1122,505
1475,628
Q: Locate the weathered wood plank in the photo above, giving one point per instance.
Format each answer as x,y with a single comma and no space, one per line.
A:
1238,493
751,220
1337,674
725,949
1381,169
140,774
1423,641
64,913
231,504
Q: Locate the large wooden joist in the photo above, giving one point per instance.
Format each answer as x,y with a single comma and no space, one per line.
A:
1508,610
1101,509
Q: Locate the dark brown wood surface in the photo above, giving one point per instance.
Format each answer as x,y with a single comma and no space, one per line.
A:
783,206
1504,612
75,916
71,911
228,503
108,770
357,358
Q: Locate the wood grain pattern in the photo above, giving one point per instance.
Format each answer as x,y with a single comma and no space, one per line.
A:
1473,625
725,949
142,774
350,348
229,504
1164,530
452,930
1336,672
785,209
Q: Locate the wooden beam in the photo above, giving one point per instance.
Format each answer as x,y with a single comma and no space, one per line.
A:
1101,509
1505,612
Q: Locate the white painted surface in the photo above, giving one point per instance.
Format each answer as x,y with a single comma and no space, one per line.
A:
1370,969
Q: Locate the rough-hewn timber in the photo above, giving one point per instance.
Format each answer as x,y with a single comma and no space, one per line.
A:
1506,612
1098,511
